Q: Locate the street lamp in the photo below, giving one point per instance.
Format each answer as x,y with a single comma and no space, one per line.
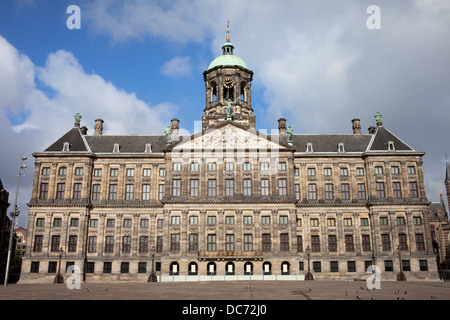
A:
152,277
59,278
400,276
14,215
308,275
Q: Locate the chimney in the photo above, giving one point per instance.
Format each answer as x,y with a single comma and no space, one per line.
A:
282,126
175,129
84,130
356,126
372,130
98,127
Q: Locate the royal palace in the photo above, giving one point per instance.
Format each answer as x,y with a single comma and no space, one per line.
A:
228,202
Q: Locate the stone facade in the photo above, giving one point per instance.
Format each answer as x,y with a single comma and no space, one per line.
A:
229,202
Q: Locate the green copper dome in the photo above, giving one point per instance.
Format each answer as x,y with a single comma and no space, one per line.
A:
227,59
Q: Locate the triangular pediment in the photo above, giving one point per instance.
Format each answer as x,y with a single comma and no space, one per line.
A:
231,136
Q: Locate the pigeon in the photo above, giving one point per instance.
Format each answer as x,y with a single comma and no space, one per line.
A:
396,292
346,293
358,297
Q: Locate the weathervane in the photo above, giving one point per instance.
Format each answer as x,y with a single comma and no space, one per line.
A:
228,30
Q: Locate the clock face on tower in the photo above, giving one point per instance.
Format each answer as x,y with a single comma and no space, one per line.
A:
228,83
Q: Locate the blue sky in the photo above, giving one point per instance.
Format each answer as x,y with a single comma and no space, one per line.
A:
137,64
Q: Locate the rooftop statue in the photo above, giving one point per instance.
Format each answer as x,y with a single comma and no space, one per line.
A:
168,134
229,108
289,133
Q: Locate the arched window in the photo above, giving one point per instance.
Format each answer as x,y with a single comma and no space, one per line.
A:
193,269
229,269
211,269
174,269
285,268
248,268
267,268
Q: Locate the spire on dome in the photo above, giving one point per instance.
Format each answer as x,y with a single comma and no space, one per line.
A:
447,170
227,48
228,30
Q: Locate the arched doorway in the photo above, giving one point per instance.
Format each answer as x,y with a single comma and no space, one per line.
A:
229,269
174,269
211,269
248,269
267,268
193,269
285,266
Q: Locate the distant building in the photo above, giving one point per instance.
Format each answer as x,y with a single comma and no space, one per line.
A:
229,203
5,225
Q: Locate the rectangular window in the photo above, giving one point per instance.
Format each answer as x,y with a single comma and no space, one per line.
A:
212,187
284,242
329,194
378,170
395,170
334,266
265,219
297,191
361,191
97,172
193,220
315,243
92,245
145,192
211,166
327,172
57,222
246,166
417,221
423,265
40,222
344,172
383,221
142,267
38,240
45,171
366,242
79,171
229,166
176,166
351,266
266,242
364,222
194,166
159,244
146,172
211,220
345,191
411,170
77,191
299,244
413,190
282,166
129,191
314,222
55,243
401,220
96,192
229,242
388,265
402,241
229,187
193,242
143,244
72,243
124,267
194,187
126,244
60,189
331,222
264,187
380,190
176,187
114,172
347,222
312,191
332,243
264,166
62,171
247,187
296,171
385,242
349,246
229,220
283,219
74,222
397,189
248,220
175,242
107,267
127,223
130,172
110,223
112,195
211,242
161,191
44,191
359,171
311,172
162,172
420,244
248,242
175,220
109,244
282,188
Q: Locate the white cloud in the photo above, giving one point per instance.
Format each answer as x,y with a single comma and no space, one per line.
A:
47,118
177,67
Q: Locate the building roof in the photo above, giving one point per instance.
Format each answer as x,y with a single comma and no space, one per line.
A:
330,142
127,143
75,140
381,139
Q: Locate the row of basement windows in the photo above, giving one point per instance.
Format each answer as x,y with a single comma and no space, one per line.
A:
229,166
230,268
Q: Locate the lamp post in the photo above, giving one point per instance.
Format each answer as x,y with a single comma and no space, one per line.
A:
152,277
308,275
400,276
59,278
14,215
